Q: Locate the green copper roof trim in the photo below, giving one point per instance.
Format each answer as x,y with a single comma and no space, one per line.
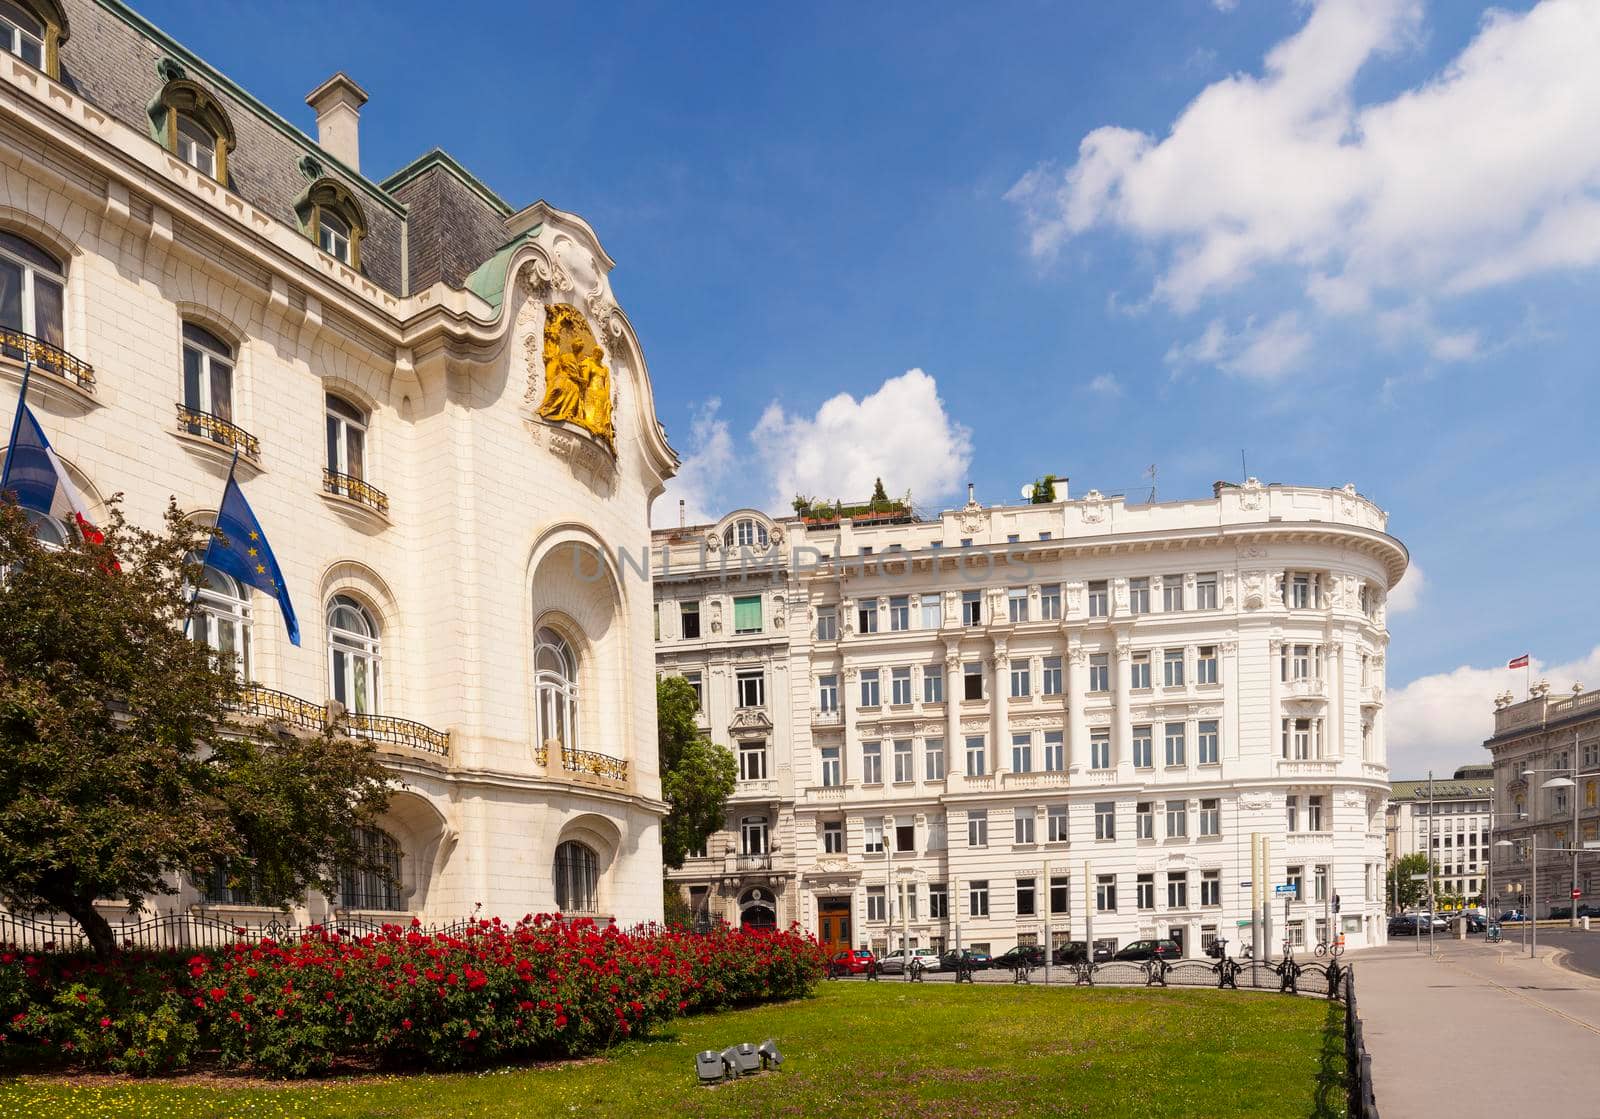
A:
438,157
188,58
488,280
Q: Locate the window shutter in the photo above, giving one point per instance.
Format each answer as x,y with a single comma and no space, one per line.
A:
747,613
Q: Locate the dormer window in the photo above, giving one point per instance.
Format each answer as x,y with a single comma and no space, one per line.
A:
197,146
330,217
192,124
333,237
746,533
22,33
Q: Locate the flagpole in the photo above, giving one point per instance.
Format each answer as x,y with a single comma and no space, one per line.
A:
16,420
194,592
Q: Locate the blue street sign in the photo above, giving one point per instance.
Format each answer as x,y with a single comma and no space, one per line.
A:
1287,888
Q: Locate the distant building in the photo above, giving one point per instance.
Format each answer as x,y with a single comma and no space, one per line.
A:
1452,820
1553,737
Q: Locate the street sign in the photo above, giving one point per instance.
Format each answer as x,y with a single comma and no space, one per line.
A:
1246,884
1576,894
1244,924
1419,878
1286,888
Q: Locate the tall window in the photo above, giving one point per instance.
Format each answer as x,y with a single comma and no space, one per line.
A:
21,33
1099,599
1050,676
872,763
747,614
556,689
1211,817
1100,748
933,752
1023,821
1177,889
1021,683
1017,604
696,682
1172,668
197,146
1143,747
1105,893
831,774
827,623
1144,891
938,901
752,687
867,615
1139,671
1303,589
1139,596
1144,820
347,438
1291,812
971,608
976,766
933,683
904,760
752,761
900,685
1177,738
871,695
972,680
333,236
932,612
978,827
1050,601
1177,819
1055,751
1026,900
1056,823
689,620
1314,813
221,619
1205,591
354,655
577,874
828,693
207,375
1172,593
1211,887
978,898
872,837
833,837
1059,893
899,612
1205,665
753,835
1105,819
1100,672
375,885
31,287
877,904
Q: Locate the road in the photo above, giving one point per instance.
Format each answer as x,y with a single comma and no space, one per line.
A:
1583,948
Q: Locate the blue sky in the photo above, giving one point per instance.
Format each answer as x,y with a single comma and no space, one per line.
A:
1357,239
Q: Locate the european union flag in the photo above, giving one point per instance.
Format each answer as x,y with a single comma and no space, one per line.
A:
242,551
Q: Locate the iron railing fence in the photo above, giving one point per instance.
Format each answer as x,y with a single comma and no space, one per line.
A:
183,931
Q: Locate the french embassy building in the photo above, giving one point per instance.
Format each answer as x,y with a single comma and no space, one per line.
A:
440,415
1071,717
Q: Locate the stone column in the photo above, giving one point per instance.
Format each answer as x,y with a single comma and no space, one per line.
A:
999,706
1077,732
1121,722
1274,700
850,685
953,745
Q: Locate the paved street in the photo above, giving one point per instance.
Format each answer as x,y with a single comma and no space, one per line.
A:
1583,948
1436,1026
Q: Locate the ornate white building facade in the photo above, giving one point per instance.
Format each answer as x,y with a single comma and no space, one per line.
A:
1071,715
441,417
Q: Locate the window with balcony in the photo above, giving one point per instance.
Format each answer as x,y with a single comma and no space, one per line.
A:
1172,593
900,685
833,837
752,687
872,837
1143,750
208,390
1172,668
1177,819
1050,602
1099,599
689,620
1176,744
830,766
1022,753
899,612
1211,817
933,683
872,763
976,762
1138,596
753,761
1100,672
1056,823
747,614
1100,748
1017,604
977,827
1205,665
1207,750
827,623
1050,676
972,608
1021,682
972,680
904,761
933,754
1022,821
828,693
753,835
871,693
355,655
1055,751
1105,819
1144,820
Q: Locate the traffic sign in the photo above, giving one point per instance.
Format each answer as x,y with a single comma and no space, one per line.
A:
1286,888
1576,894
1245,923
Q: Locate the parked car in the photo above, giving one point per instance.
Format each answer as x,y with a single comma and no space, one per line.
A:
1023,955
895,962
1475,923
978,960
1406,926
852,961
1512,915
1141,950
1072,952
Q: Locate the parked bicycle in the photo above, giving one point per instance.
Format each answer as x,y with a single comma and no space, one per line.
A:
1335,949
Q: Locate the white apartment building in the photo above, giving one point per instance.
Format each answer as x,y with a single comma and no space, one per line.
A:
1452,818
441,417
1542,739
1077,714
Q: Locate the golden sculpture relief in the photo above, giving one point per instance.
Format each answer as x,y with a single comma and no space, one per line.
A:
577,382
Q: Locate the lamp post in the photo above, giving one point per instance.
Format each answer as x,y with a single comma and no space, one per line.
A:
1566,782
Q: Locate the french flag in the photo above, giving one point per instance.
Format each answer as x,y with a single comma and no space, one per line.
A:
36,477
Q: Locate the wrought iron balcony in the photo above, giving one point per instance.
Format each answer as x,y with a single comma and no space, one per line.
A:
353,488
595,764
400,732
48,357
265,703
218,430
257,702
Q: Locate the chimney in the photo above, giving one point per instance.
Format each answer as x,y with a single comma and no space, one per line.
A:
683,514
337,103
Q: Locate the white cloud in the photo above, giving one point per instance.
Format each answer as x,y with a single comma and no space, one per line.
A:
900,433
706,467
1106,385
1407,593
1481,175
1225,5
1262,353
1441,720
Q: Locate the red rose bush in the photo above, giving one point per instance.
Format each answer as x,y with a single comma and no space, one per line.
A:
543,987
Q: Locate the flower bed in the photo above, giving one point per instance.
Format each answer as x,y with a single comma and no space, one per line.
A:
544,987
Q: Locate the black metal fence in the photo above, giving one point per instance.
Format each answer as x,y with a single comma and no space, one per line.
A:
192,931
1358,1062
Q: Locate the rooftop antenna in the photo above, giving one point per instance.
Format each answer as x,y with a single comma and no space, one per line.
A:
1151,474
1244,470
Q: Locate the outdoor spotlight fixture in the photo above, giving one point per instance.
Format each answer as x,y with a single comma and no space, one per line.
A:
730,1061
749,1060
708,1066
770,1057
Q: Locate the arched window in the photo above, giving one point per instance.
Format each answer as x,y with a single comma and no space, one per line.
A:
353,655
192,124
577,875
32,286
347,438
207,376
331,218
34,30
377,884
746,532
556,683
221,618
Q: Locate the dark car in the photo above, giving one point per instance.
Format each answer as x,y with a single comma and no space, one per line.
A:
1405,926
977,960
853,961
1072,952
1141,950
1475,924
1513,915
1023,955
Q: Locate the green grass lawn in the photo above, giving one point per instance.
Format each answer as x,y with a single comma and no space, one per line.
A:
857,1049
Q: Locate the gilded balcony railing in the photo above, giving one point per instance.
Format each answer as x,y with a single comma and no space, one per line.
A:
347,485
599,765
400,732
264,703
51,358
218,430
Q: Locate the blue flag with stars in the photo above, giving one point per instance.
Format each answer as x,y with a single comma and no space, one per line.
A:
242,551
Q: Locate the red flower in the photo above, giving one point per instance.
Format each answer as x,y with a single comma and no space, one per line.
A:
105,1023
406,1022
218,994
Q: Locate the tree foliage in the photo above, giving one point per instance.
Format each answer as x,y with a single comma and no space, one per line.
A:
121,767
697,775
1402,890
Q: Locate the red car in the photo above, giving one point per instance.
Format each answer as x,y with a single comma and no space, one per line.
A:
855,961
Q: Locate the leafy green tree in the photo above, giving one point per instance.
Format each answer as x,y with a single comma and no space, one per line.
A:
1044,490
1406,893
697,775
122,768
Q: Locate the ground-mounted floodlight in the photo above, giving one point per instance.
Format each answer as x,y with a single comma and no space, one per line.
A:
749,1060
770,1057
708,1066
730,1061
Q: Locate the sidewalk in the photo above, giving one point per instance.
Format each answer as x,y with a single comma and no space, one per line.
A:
1479,1031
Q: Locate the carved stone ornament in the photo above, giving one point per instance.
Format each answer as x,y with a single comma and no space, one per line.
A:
1255,589
926,729
972,517
974,726
1352,797
577,382
748,722
1349,500
1078,656
1251,494
1097,718
1093,509
1253,801
545,276
1252,552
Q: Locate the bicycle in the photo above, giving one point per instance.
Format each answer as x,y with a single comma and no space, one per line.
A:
1336,949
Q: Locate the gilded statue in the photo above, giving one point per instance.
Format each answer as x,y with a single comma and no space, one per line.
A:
577,382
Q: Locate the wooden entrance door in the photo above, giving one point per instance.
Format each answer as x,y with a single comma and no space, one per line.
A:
833,924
